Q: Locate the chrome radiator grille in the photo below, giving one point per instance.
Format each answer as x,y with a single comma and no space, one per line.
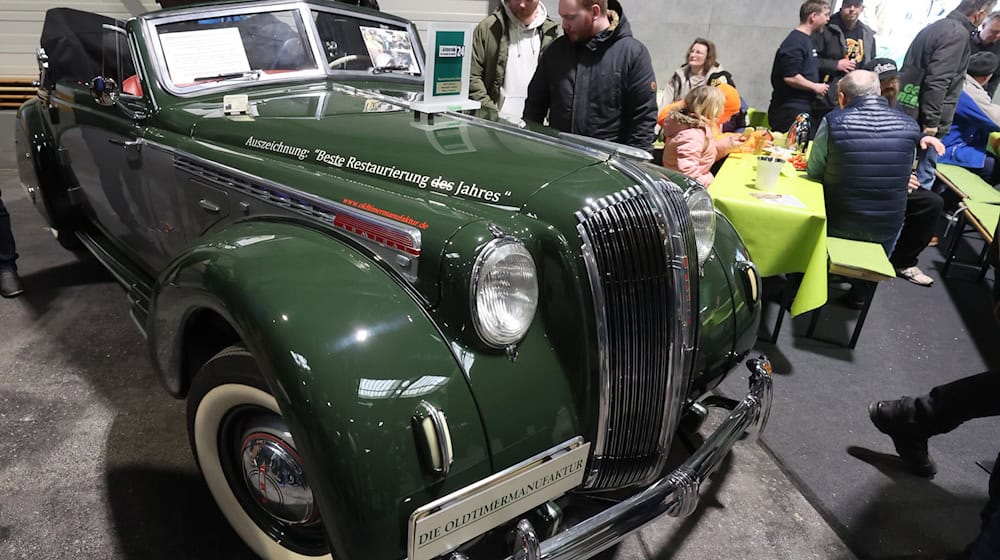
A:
635,244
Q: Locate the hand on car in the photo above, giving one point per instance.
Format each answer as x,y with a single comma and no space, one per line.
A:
846,65
928,141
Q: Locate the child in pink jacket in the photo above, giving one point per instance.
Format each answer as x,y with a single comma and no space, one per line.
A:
689,134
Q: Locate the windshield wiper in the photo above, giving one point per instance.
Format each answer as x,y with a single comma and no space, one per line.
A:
391,68
251,75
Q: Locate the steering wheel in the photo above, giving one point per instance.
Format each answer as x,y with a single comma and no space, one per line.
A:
343,60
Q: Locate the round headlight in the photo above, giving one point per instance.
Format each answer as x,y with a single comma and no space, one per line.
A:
504,292
703,219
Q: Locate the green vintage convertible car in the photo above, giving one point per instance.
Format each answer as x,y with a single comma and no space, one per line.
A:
398,337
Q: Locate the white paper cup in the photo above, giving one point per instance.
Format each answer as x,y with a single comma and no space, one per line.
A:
768,170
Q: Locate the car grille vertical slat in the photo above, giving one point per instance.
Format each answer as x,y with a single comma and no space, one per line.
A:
633,275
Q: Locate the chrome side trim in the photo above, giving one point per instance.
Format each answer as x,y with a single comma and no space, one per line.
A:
677,493
402,254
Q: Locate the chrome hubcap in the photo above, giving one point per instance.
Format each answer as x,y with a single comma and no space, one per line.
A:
274,476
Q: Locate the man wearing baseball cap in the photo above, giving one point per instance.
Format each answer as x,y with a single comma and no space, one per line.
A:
888,75
923,207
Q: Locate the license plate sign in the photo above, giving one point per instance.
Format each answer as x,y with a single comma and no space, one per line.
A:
443,525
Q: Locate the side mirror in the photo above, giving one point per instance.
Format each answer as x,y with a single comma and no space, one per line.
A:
104,91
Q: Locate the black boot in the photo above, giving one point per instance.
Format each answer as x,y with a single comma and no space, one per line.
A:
10,284
911,446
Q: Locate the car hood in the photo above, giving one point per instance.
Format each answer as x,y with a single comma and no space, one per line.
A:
341,130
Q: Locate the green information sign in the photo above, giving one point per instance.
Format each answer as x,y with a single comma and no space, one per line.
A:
449,52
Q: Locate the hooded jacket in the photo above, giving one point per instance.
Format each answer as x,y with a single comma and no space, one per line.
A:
604,88
831,46
683,82
490,45
863,154
934,70
689,146
975,118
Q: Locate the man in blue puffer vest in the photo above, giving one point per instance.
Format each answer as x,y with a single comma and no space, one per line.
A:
863,154
975,118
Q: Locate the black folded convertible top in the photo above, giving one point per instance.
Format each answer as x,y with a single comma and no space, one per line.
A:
77,49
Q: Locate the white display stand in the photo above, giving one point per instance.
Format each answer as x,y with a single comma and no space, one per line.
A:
447,71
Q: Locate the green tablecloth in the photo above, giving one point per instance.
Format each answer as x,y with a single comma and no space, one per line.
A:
969,183
780,238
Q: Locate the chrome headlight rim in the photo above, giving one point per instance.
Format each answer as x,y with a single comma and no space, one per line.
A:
485,334
703,220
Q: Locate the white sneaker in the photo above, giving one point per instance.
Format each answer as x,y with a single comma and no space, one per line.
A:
915,275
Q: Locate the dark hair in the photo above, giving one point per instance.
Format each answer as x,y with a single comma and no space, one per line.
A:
810,7
710,55
969,7
588,3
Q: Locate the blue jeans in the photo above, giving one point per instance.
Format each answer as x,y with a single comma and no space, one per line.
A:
8,254
926,168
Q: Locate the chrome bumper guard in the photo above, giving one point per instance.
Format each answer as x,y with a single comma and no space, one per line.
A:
677,493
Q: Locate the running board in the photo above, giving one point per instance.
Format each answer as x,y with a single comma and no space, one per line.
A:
137,289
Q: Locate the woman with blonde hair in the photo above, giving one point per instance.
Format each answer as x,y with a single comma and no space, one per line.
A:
690,145
700,64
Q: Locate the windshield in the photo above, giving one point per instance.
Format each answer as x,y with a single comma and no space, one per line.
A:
353,43
250,47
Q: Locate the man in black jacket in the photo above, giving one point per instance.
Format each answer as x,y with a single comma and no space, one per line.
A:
933,73
844,45
597,79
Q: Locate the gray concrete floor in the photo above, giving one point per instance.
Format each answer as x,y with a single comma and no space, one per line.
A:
96,462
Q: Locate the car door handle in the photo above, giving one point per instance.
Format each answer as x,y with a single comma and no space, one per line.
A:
209,206
126,143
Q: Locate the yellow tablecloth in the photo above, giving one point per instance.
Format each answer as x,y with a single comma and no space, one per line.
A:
780,238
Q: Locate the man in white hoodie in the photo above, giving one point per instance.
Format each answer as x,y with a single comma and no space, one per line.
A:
505,50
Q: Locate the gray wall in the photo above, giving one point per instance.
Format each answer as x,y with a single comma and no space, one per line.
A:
746,32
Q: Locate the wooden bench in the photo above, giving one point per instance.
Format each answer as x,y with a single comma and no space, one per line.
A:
978,214
863,262
15,91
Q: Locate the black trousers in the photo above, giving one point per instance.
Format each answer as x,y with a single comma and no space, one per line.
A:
923,208
8,253
946,407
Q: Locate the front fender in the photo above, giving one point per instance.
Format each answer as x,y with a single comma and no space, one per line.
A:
348,353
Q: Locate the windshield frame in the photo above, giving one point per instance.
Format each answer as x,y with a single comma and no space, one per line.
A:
418,48
150,22
153,43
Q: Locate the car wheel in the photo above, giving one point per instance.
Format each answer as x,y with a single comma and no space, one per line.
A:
249,460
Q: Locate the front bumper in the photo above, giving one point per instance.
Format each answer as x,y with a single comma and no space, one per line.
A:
676,494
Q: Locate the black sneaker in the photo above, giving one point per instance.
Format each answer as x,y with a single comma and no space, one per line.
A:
912,448
10,284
